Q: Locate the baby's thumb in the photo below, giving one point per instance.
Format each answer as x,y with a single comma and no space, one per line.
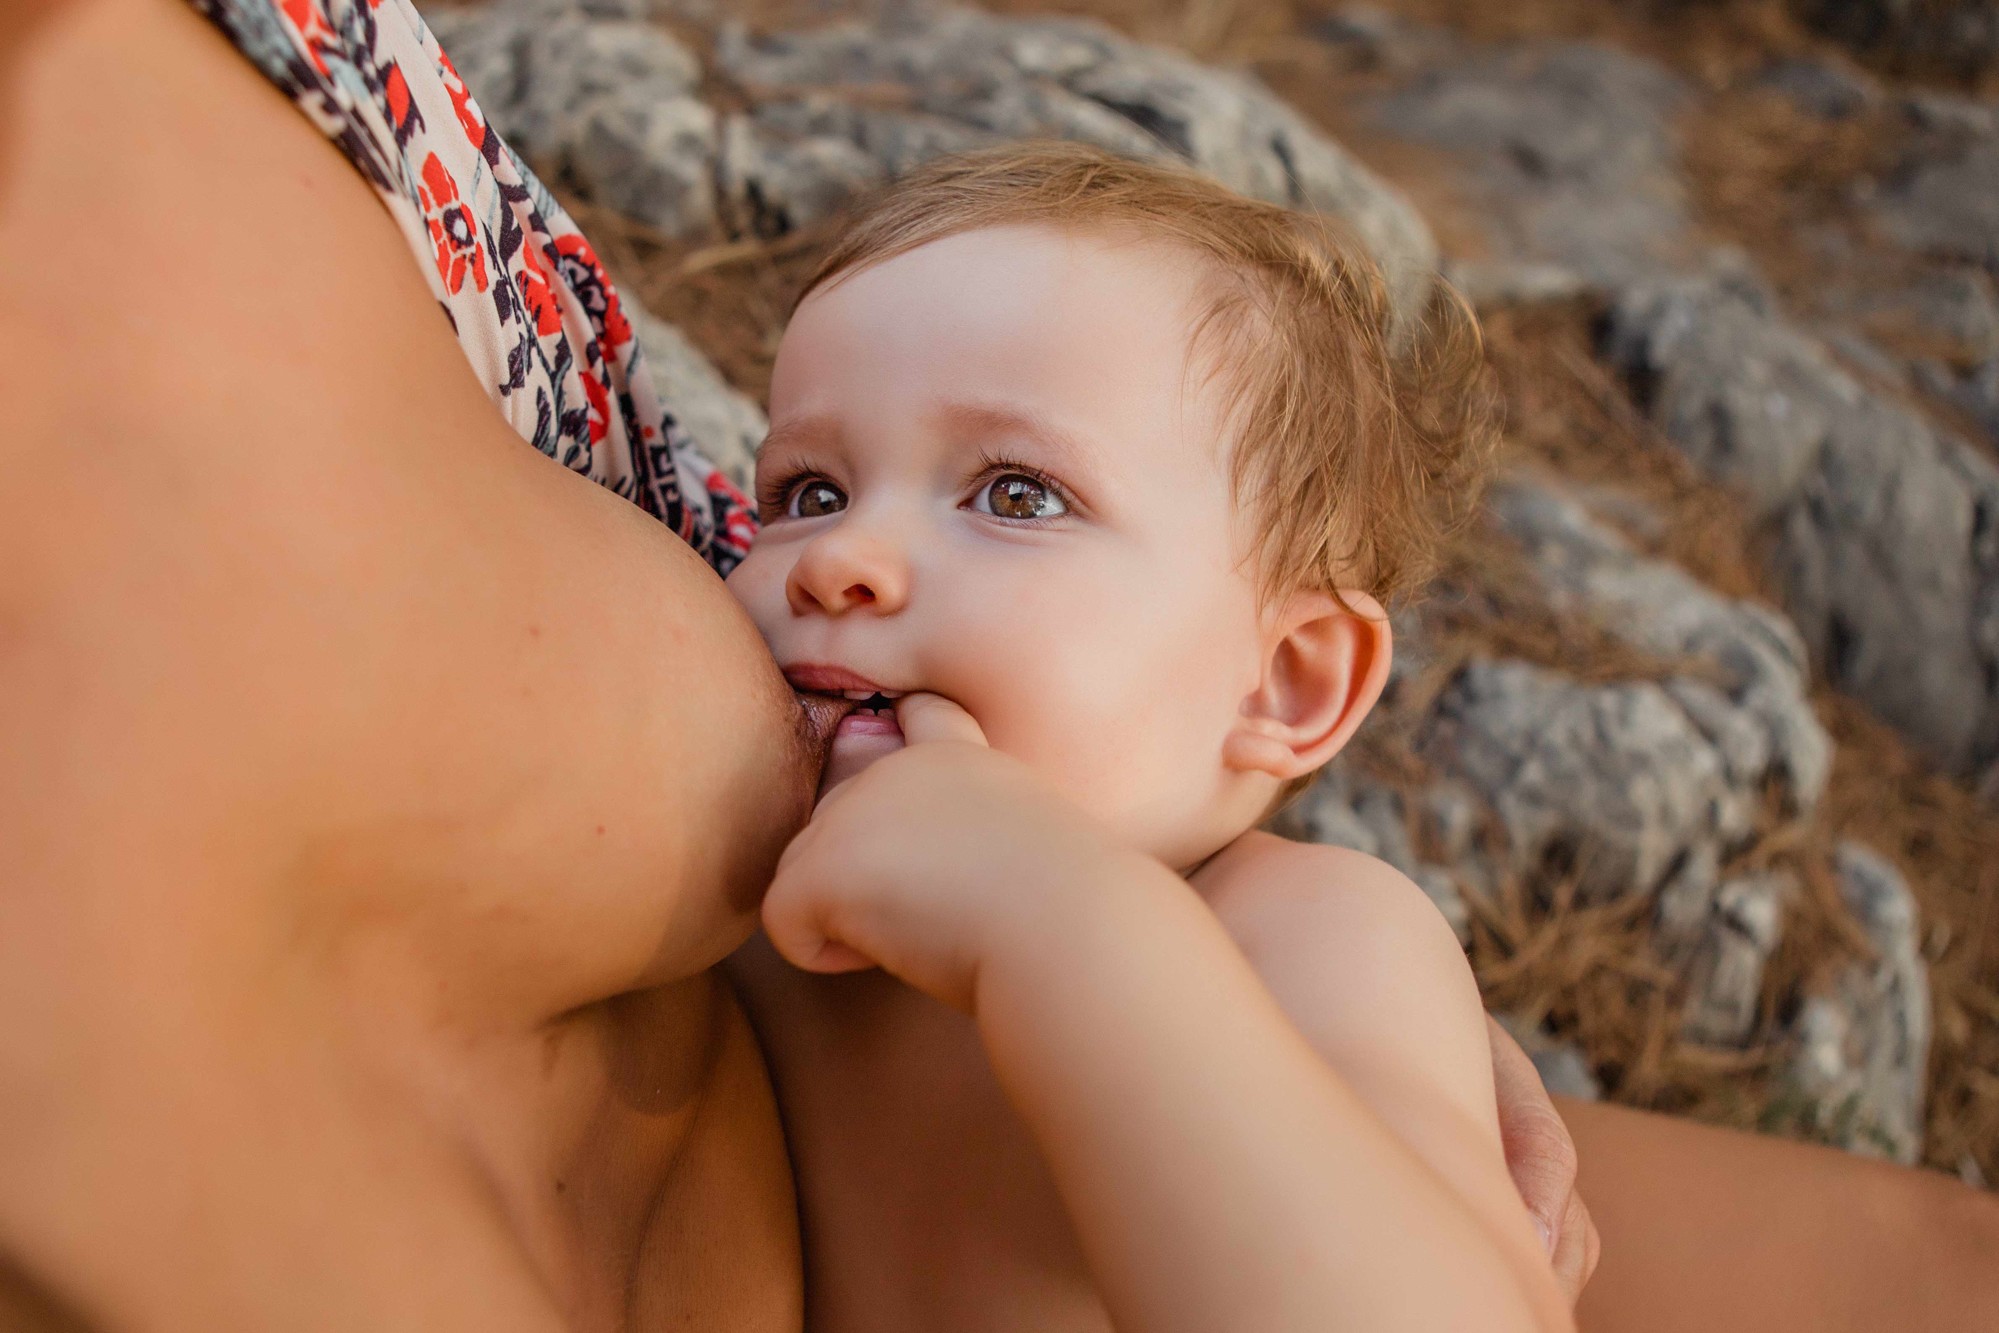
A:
926,717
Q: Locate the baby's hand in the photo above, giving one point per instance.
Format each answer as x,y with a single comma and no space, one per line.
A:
932,858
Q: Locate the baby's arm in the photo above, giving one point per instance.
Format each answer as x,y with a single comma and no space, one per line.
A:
1220,1174
1373,977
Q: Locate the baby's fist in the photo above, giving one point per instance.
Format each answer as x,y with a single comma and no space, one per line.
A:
914,865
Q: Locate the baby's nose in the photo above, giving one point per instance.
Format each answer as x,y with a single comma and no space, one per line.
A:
848,571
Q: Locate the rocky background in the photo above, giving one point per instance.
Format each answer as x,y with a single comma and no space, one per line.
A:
1697,743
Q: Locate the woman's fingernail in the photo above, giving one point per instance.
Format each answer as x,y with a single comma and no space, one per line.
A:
1547,1236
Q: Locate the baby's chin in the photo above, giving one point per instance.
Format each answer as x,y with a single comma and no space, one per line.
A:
861,739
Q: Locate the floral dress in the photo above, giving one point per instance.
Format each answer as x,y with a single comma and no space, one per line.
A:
533,309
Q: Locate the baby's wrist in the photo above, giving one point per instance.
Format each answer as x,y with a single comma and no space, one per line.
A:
1072,916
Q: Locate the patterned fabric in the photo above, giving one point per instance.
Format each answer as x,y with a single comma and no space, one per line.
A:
532,307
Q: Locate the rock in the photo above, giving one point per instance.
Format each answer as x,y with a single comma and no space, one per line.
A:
1344,809
1820,88
1943,199
1493,286
1373,39
1955,306
1571,147
650,161
1865,357
725,424
608,104
1885,533
1757,713
1614,786
1862,1043
1724,962
1928,110
777,181
1977,394
1451,817
912,84
1564,1069
1958,36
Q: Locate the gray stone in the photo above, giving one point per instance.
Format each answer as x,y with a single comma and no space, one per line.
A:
1571,148
1498,285
1565,1072
1756,711
1613,786
1961,36
1956,306
776,182
1451,817
1865,357
1724,962
1862,1043
1886,533
1345,809
725,424
1372,39
1944,197
917,83
1820,88
607,103
1931,110
1564,1069
1977,394
650,161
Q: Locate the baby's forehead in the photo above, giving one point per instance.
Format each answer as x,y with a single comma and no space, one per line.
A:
1102,308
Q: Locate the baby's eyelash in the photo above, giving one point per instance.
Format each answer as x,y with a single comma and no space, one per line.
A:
995,465
772,493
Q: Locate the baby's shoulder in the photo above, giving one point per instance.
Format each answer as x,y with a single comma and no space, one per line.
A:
1274,894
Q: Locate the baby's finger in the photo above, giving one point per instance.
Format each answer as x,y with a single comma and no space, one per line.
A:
926,717
799,925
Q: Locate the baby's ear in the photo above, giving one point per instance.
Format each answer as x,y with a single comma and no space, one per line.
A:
1324,666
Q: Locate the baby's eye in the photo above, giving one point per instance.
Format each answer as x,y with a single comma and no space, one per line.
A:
1017,495
814,498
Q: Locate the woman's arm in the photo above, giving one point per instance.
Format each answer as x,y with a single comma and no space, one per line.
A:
1219,1174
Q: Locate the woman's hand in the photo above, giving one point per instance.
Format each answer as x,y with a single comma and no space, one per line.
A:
921,862
1541,1157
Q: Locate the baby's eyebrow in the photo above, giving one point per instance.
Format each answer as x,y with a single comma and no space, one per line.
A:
985,418
806,433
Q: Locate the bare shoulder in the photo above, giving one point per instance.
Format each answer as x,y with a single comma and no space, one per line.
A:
1363,963
1274,894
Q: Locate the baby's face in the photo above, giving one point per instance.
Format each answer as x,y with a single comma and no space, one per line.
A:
994,473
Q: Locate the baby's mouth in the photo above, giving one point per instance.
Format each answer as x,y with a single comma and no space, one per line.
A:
880,701
864,728
869,713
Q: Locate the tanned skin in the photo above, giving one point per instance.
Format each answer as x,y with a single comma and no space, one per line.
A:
375,795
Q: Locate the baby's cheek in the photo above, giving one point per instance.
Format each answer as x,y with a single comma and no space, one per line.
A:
752,584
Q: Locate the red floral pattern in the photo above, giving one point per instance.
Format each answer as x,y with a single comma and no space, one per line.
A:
532,306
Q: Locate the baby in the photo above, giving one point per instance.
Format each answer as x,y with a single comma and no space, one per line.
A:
1103,467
